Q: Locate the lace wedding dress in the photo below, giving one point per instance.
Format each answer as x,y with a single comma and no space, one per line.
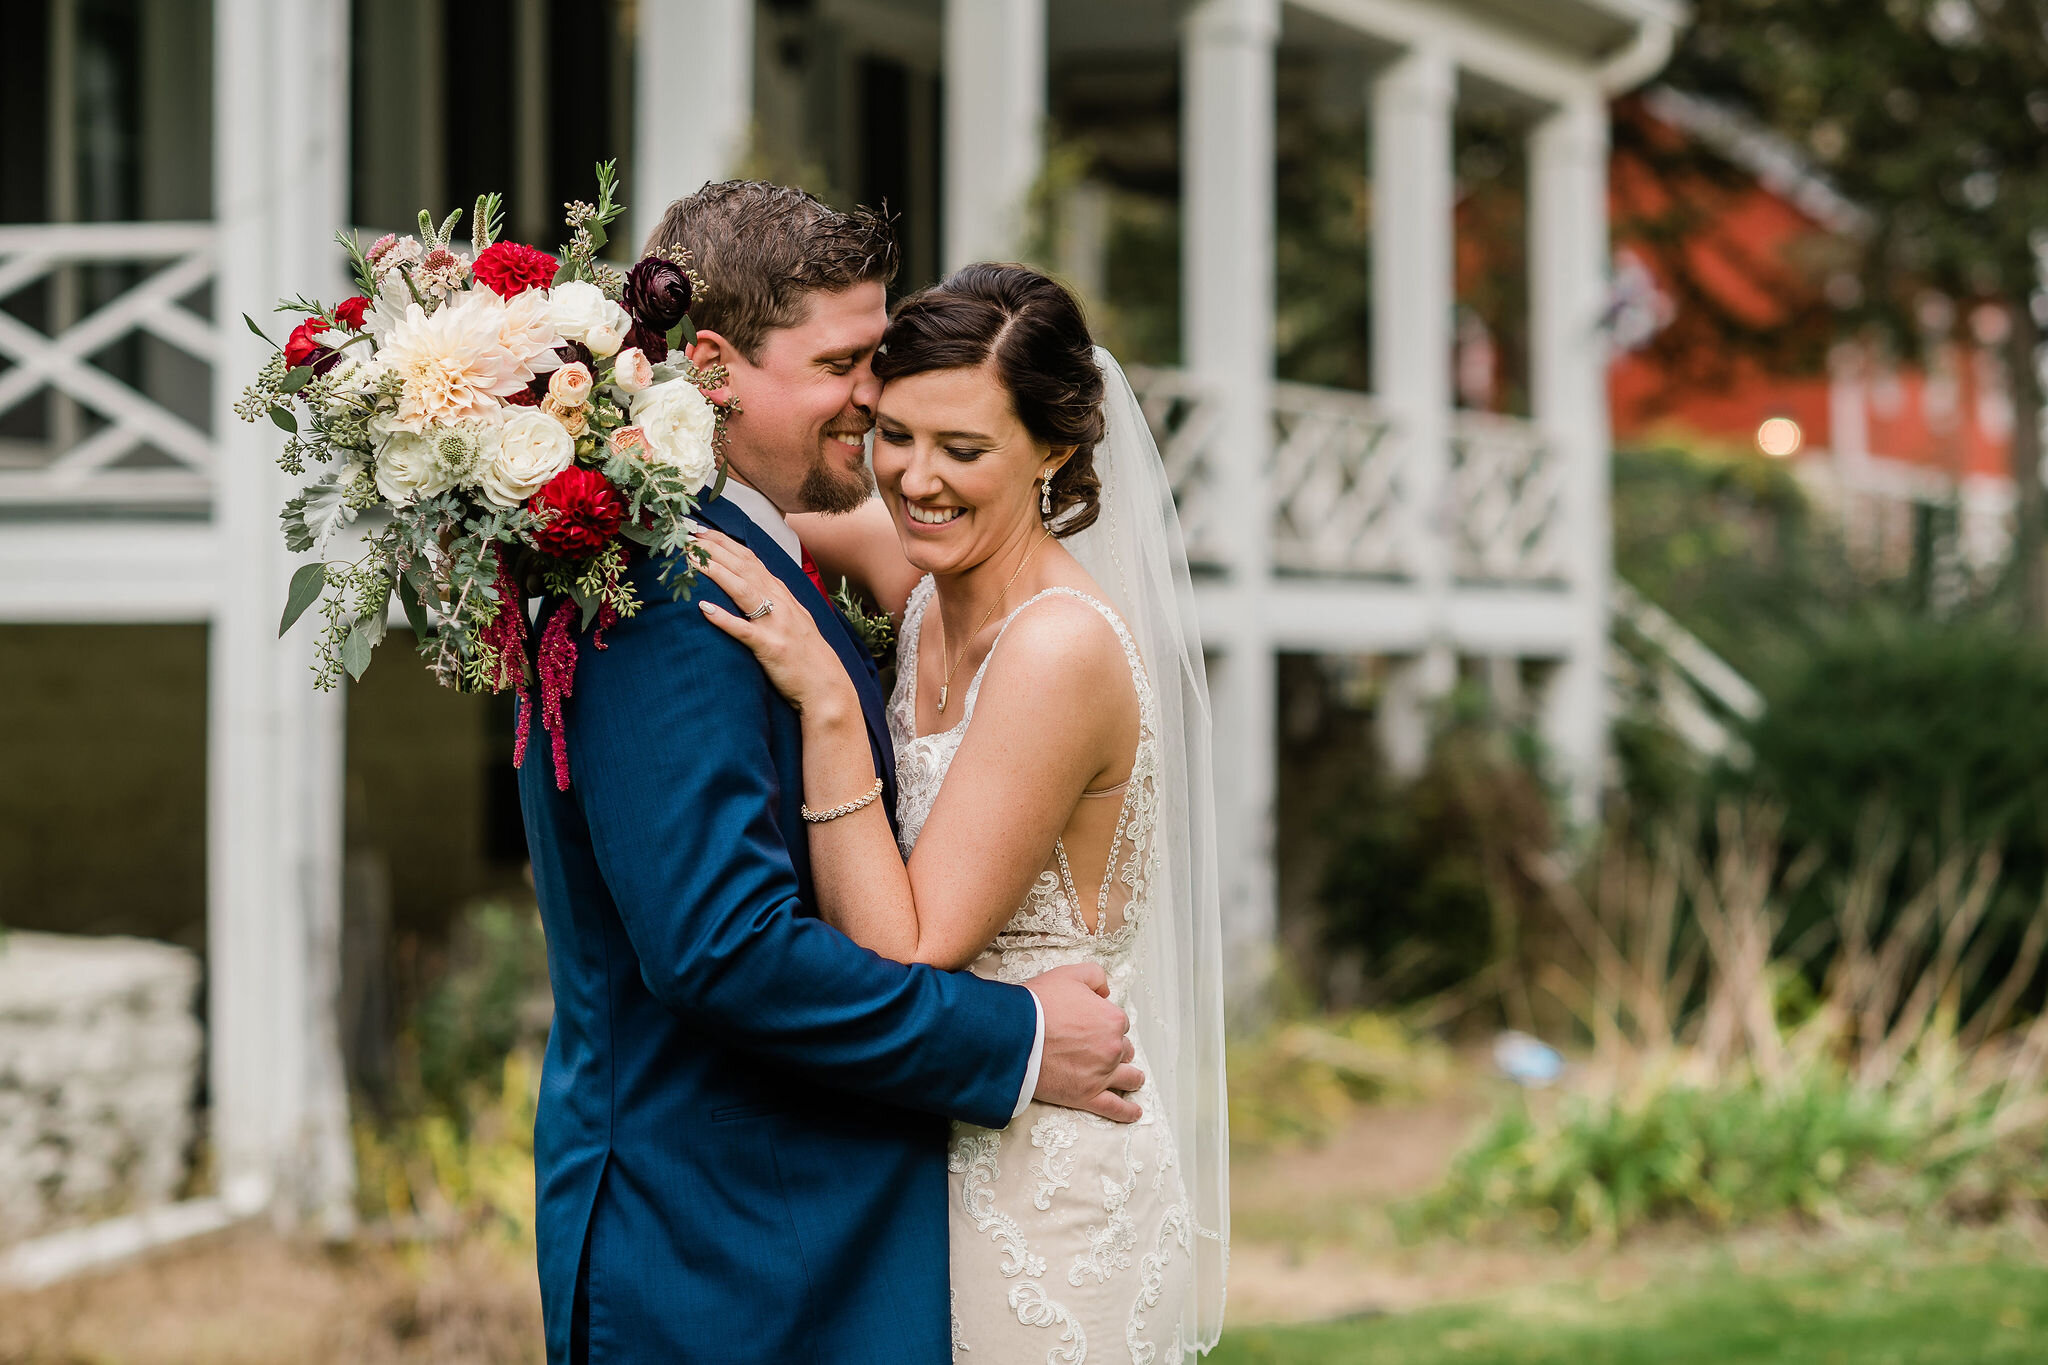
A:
1072,1237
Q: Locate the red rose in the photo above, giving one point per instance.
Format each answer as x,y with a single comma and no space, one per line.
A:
582,511
349,312
510,268
301,349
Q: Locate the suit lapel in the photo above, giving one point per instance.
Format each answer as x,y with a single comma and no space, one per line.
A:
852,652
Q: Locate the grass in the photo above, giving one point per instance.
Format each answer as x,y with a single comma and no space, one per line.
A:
1867,1313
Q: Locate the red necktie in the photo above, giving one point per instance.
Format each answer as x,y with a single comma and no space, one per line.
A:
811,571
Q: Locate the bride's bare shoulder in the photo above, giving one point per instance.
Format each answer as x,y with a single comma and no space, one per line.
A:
1063,652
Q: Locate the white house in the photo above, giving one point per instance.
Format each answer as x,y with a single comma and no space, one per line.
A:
1388,523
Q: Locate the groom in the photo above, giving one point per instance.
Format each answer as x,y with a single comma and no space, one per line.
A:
740,1151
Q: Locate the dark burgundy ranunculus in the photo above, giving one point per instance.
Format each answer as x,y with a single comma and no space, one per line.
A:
652,344
657,293
582,511
509,268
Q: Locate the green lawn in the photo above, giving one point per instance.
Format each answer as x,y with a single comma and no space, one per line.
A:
1865,1314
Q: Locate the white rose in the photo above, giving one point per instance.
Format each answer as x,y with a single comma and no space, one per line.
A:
530,449
632,371
407,470
580,312
679,425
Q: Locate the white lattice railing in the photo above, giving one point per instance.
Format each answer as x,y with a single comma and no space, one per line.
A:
1183,420
1506,513
1336,485
1341,501
106,437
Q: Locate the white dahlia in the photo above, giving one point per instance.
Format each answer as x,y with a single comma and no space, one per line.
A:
526,332
453,364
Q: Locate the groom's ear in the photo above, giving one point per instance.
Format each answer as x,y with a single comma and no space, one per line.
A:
711,349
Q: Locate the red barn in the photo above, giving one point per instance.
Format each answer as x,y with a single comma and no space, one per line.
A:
1728,266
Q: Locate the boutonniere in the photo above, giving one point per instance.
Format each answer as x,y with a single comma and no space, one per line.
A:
877,632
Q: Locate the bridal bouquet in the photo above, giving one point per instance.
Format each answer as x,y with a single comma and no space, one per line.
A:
499,421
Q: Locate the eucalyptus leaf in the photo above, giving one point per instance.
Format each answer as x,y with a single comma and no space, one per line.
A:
415,610
589,605
355,650
688,329
258,330
304,592
296,378
284,419
376,623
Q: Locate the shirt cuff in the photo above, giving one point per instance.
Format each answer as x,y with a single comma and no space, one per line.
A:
1037,1056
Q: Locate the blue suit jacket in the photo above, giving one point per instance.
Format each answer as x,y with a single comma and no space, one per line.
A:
740,1151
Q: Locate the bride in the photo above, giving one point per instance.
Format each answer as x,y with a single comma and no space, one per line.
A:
1051,729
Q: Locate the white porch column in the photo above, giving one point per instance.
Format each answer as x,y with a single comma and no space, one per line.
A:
693,101
274,750
995,124
1227,288
1568,259
1414,296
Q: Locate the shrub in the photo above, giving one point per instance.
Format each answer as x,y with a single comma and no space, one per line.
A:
456,1153
1939,725
1427,878
1300,1081
1724,1088
1718,1154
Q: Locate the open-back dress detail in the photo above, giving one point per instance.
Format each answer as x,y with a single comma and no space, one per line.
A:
1070,1236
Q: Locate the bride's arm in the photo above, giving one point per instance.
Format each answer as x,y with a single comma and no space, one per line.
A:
1021,768
862,547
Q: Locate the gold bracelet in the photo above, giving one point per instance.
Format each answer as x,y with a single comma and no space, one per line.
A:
819,817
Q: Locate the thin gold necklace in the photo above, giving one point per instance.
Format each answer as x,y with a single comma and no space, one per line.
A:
946,684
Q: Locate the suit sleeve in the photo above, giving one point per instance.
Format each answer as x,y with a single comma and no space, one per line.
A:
668,732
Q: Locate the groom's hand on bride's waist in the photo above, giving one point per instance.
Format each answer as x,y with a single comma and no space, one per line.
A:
1087,1058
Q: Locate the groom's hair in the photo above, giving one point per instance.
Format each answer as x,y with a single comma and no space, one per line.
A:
764,249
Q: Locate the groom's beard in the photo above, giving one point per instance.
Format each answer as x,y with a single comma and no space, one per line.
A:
836,491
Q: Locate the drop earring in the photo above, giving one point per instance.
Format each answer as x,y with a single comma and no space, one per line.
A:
1045,500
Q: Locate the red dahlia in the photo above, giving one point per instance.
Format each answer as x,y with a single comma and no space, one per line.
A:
510,268
582,512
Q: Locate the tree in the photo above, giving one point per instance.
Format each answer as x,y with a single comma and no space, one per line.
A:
1933,115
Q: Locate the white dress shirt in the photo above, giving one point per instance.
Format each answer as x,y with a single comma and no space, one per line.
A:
769,518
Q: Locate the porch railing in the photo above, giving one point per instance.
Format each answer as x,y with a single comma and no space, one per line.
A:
1342,498
108,357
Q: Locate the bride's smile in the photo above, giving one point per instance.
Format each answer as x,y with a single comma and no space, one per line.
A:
958,469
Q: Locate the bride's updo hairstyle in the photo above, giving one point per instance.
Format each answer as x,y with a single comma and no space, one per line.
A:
1029,329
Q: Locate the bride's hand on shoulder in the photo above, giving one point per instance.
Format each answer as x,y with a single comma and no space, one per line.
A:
796,658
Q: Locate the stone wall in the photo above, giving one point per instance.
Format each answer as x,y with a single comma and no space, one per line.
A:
100,1047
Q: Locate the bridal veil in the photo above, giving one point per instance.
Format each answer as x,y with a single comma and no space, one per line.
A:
1135,552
